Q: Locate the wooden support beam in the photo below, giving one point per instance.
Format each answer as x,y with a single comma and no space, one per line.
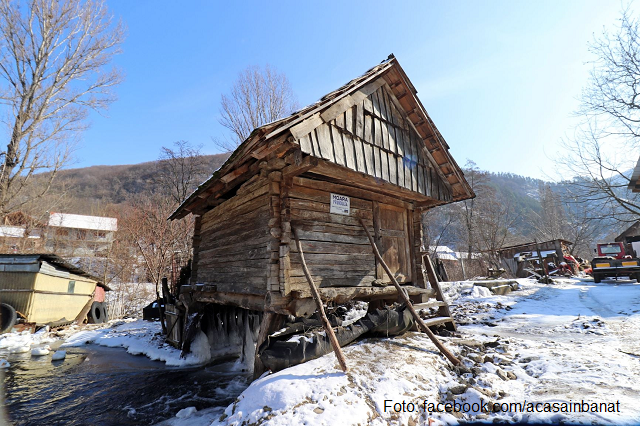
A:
405,298
316,296
271,322
435,284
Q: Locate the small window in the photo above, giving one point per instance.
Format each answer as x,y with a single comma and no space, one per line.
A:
72,287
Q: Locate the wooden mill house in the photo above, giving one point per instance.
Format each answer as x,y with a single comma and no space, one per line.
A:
367,150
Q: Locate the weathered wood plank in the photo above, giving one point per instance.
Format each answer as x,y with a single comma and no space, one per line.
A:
384,135
337,238
235,233
378,162
330,228
338,146
211,247
349,151
322,207
246,250
368,106
304,191
377,132
240,204
323,133
375,105
298,214
400,142
351,189
393,146
331,248
342,295
359,120
393,172
297,283
306,126
252,208
349,120
329,259
359,155
315,146
342,272
368,129
420,179
368,158
392,114
305,144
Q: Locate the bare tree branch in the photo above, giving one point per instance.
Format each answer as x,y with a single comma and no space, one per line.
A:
53,56
259,96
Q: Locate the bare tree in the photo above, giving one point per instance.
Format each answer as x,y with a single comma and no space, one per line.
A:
53,56
551,222
259,96
181,169
479,183
156,239
495,225
604,149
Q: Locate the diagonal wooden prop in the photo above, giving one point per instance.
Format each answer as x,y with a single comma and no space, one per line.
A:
316,296
421,324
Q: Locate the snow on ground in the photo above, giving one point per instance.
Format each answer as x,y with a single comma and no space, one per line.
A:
25,341
141,337
527,357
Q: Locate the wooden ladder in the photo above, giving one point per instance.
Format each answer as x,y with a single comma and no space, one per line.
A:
444,313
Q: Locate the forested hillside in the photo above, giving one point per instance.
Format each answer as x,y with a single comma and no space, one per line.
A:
85,188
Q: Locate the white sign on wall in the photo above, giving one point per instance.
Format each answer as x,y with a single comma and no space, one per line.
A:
340,204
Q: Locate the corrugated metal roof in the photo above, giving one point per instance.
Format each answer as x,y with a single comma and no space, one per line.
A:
11,231
77,221
54,259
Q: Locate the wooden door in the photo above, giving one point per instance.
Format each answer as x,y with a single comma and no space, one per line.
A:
392,237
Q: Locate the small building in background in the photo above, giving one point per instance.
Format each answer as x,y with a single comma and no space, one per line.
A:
631,238
74,235
21,233
514,256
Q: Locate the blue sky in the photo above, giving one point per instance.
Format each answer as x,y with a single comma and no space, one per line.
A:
499,78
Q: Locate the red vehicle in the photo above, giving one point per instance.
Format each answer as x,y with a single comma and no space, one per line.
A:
613,261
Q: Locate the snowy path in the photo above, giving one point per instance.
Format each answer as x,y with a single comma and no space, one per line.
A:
572,341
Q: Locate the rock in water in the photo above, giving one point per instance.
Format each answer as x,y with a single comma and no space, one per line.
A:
186,412
59,355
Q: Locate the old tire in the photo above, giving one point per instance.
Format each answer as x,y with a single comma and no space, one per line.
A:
597,278
96,313
9,317
105,313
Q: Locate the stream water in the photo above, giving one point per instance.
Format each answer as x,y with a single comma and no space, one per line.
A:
96,385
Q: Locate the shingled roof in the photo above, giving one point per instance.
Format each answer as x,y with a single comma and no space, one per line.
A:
268,138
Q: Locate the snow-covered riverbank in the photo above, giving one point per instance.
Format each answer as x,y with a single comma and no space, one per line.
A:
529,356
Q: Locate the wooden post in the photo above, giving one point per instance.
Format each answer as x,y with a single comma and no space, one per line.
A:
83,313
403,295
271,322
316,296
161,302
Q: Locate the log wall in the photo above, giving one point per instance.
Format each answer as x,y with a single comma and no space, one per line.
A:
234,242
336,248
